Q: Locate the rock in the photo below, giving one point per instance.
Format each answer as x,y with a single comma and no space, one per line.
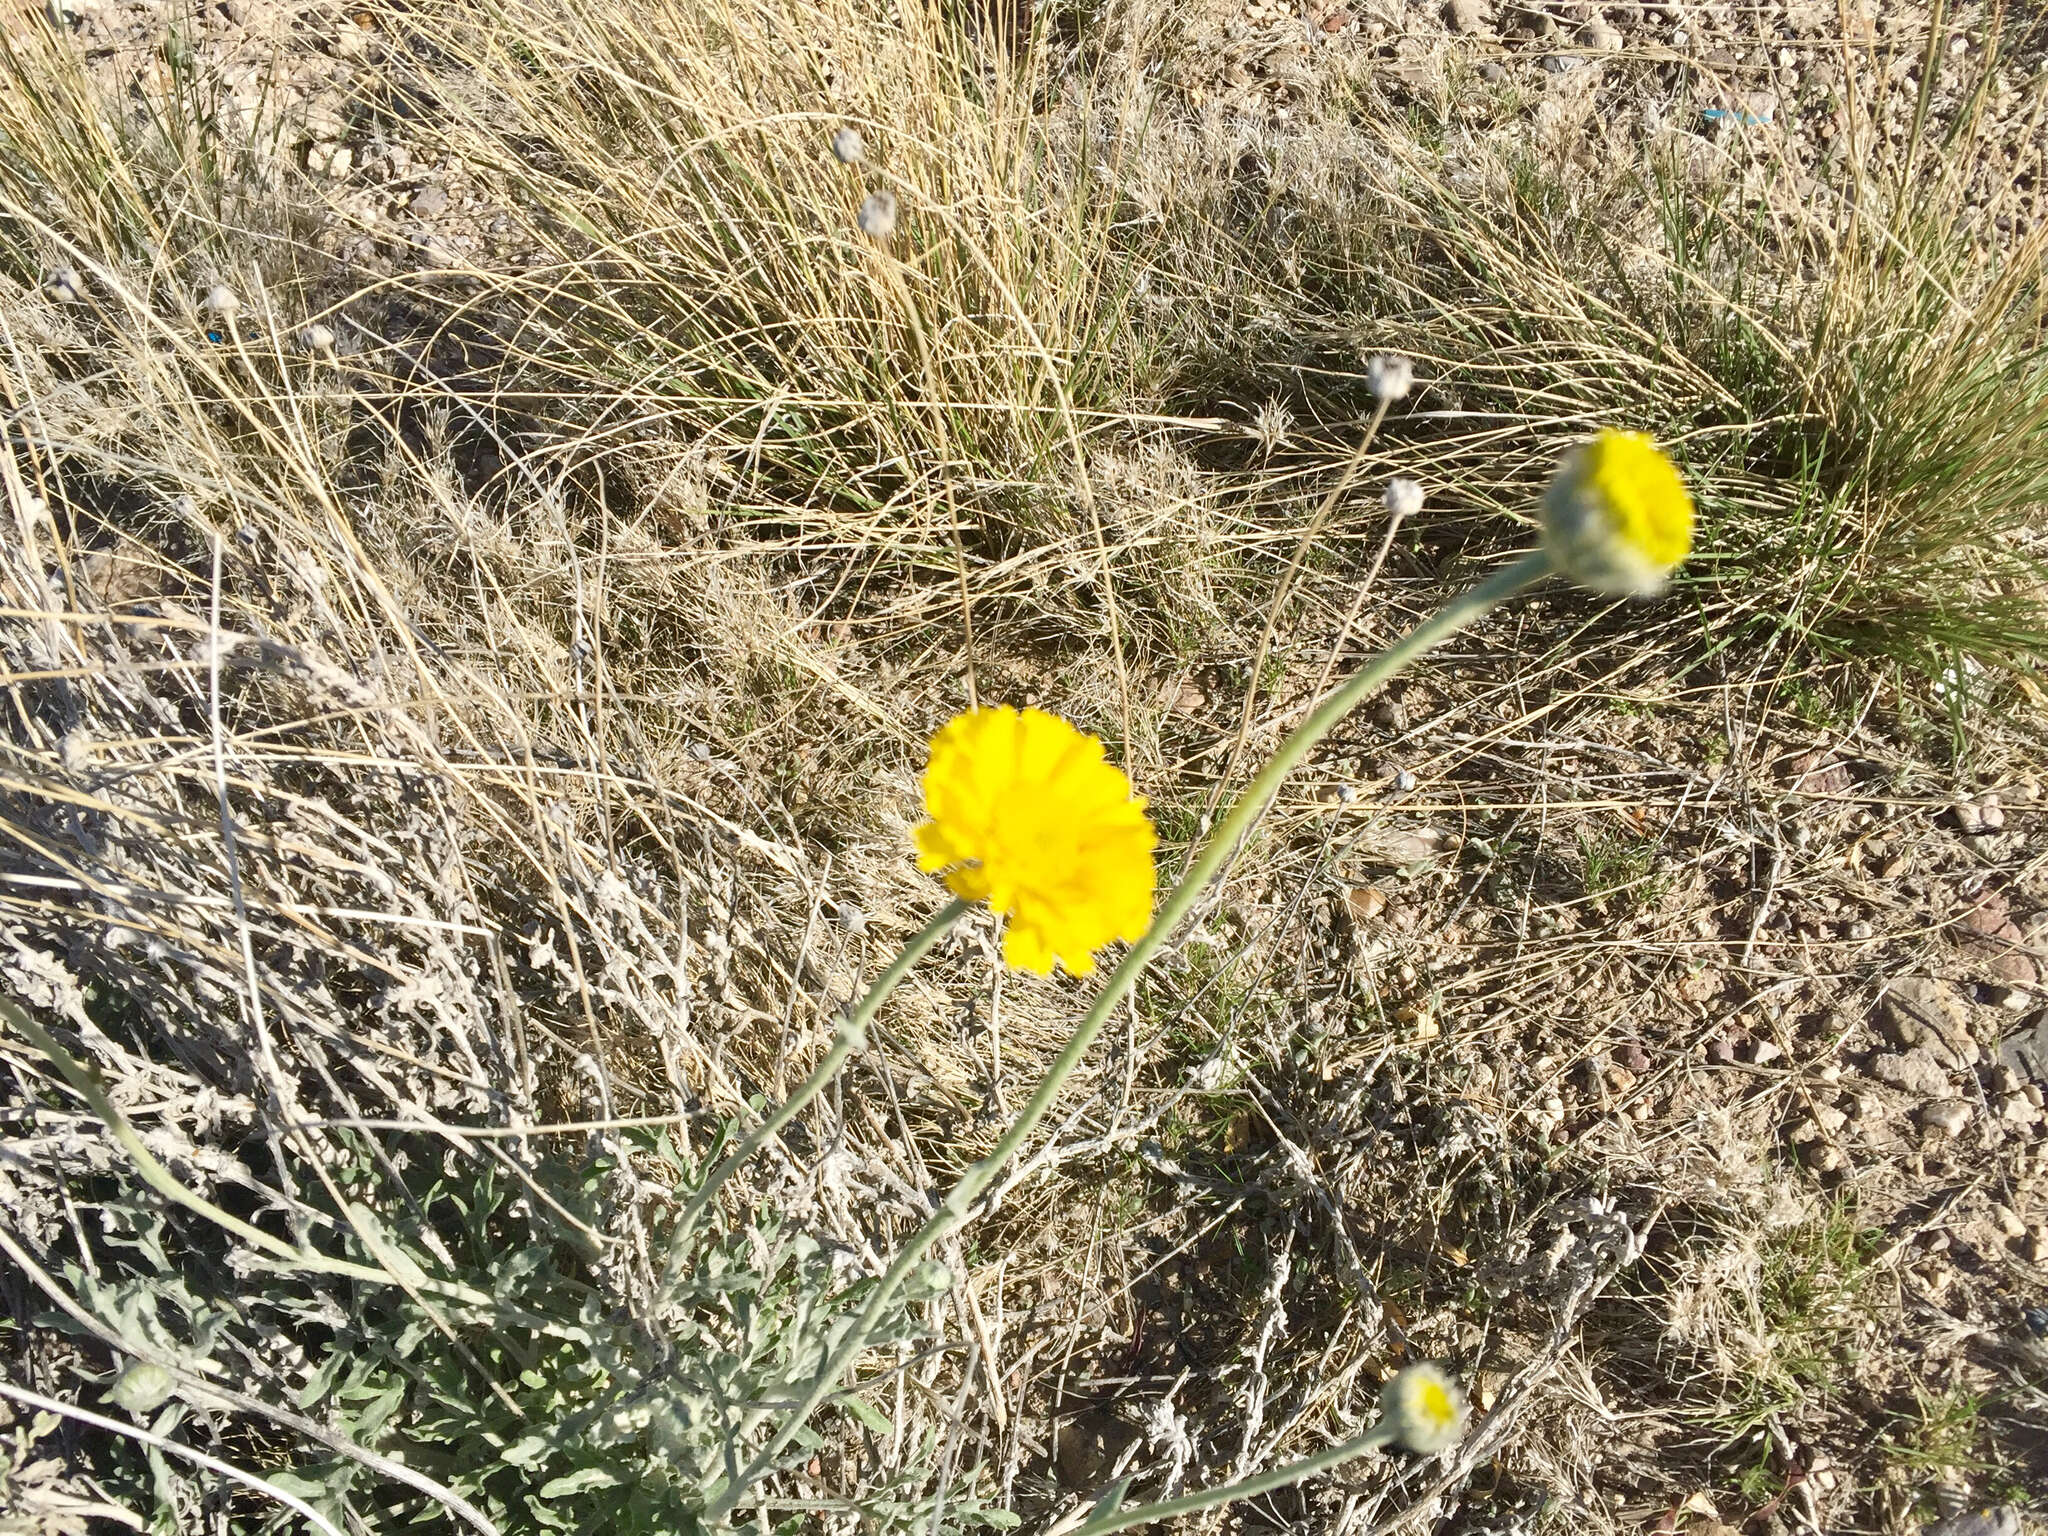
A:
2007,1221
1764,1052
1365,902
1598,36
332,161
1990,814
430,201
2017,1109
1925,1001
1991,937
1948,1116
1997,1520
1901,1028
1915,1071
1823,1157
1819,772
1562,63
1468,16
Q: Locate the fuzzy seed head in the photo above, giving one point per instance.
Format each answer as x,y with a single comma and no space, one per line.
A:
317,339
1403,498
65,286
878,216
220,300
1425,1407
1390,376
848,148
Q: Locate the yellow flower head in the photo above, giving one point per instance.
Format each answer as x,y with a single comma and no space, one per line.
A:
1425,1408
1027,815
1617,517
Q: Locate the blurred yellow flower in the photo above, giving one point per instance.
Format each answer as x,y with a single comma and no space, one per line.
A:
1027,815
1617,517
1425,1408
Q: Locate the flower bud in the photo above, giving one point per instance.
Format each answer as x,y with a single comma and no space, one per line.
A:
142,1388
1425,1408
1617,517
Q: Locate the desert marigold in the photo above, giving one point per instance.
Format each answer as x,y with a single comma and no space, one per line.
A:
1028,815
1617,517
1425,1407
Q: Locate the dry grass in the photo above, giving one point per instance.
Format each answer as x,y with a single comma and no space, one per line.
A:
508,716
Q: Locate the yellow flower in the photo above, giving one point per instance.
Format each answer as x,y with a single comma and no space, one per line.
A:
1425,1407
1617,517
1027,815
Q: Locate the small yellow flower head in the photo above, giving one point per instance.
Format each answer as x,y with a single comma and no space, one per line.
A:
1027,815
1425,1407
1617,517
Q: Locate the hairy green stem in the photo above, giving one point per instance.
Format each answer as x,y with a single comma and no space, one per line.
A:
953,1212
852,1032
1380,1434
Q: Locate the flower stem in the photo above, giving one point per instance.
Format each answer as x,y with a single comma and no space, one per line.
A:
853,1030
954,1211
1264,1482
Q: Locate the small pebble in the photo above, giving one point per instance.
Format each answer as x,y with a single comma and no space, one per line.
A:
1990,814
1947,1116
2008,1222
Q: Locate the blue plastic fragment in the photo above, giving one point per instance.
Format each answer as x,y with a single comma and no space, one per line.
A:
1736,115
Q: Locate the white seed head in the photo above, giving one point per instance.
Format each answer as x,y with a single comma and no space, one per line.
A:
74,750
848,148
220,300
1390,376
317,339
1403,498
65,286
878,216
1425,1407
